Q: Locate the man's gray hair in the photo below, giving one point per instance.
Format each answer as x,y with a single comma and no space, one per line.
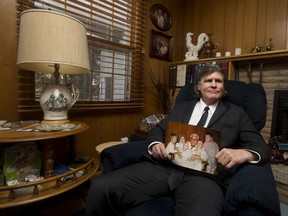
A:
207,70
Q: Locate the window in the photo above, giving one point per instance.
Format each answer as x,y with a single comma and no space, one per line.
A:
116,37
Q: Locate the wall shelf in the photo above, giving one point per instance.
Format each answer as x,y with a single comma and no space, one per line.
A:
268,56
244,61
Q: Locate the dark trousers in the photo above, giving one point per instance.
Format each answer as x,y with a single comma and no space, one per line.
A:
117,191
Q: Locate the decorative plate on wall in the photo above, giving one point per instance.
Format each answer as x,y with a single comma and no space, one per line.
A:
160,17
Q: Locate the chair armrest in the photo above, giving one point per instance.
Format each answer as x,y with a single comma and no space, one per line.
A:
119,156
252,186
102,146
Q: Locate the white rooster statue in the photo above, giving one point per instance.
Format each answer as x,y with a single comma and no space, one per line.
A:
193,50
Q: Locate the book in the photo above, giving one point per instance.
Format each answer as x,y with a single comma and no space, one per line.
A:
181,75
193,147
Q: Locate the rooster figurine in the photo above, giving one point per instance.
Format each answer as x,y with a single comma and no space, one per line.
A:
193,50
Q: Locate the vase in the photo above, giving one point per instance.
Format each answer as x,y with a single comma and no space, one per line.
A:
209,46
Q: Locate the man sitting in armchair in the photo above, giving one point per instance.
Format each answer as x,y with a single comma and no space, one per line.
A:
194,192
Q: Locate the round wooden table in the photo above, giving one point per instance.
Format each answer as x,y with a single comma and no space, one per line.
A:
52,184
13,136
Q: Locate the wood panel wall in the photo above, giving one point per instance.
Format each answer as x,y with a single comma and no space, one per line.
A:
8,74
233,23
239,23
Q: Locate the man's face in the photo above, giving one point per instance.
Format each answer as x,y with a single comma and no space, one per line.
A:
194,138
211,87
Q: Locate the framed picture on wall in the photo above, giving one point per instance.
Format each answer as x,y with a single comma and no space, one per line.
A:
161,46
160,17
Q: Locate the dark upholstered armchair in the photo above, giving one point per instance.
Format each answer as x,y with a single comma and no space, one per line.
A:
252,187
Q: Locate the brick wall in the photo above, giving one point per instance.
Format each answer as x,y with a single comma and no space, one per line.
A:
274,77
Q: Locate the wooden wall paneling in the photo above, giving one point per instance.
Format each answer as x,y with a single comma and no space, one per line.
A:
193,13
8,44
261,23
286,27
250,22
126,128
276,23
230,26
105,128
152,106
206,7
159,66
176,9
116,121
120,122
176,31
86,141
217,24
201,19
100,130
152,63
240,27
160,69
108,121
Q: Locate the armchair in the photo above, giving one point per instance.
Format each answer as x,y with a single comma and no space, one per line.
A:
251,188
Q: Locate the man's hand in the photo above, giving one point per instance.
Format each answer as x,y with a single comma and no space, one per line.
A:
159,151
231,157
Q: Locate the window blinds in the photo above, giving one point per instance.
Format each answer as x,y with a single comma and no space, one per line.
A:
116,37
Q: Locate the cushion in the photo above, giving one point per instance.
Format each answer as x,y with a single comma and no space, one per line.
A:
119,156
252,186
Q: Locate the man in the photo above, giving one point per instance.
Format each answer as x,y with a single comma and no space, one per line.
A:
211,148
194,192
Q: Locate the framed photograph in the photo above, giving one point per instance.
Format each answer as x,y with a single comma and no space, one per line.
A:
161,46
160,17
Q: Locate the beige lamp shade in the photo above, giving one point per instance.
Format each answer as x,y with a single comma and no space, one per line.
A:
47,38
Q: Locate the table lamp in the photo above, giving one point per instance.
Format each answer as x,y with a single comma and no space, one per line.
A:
55,43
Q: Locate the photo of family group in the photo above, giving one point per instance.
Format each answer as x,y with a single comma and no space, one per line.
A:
160,17
193,147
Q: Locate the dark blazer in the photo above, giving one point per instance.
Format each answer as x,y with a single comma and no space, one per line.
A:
237,130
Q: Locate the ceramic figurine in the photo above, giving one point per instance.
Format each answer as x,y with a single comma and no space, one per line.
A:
193,50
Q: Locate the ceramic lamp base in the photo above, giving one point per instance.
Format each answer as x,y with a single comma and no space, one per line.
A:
55,121
56,100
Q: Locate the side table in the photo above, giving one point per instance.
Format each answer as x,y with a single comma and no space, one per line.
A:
52,185
280,172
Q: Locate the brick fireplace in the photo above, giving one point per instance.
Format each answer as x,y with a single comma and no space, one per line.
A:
274,78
